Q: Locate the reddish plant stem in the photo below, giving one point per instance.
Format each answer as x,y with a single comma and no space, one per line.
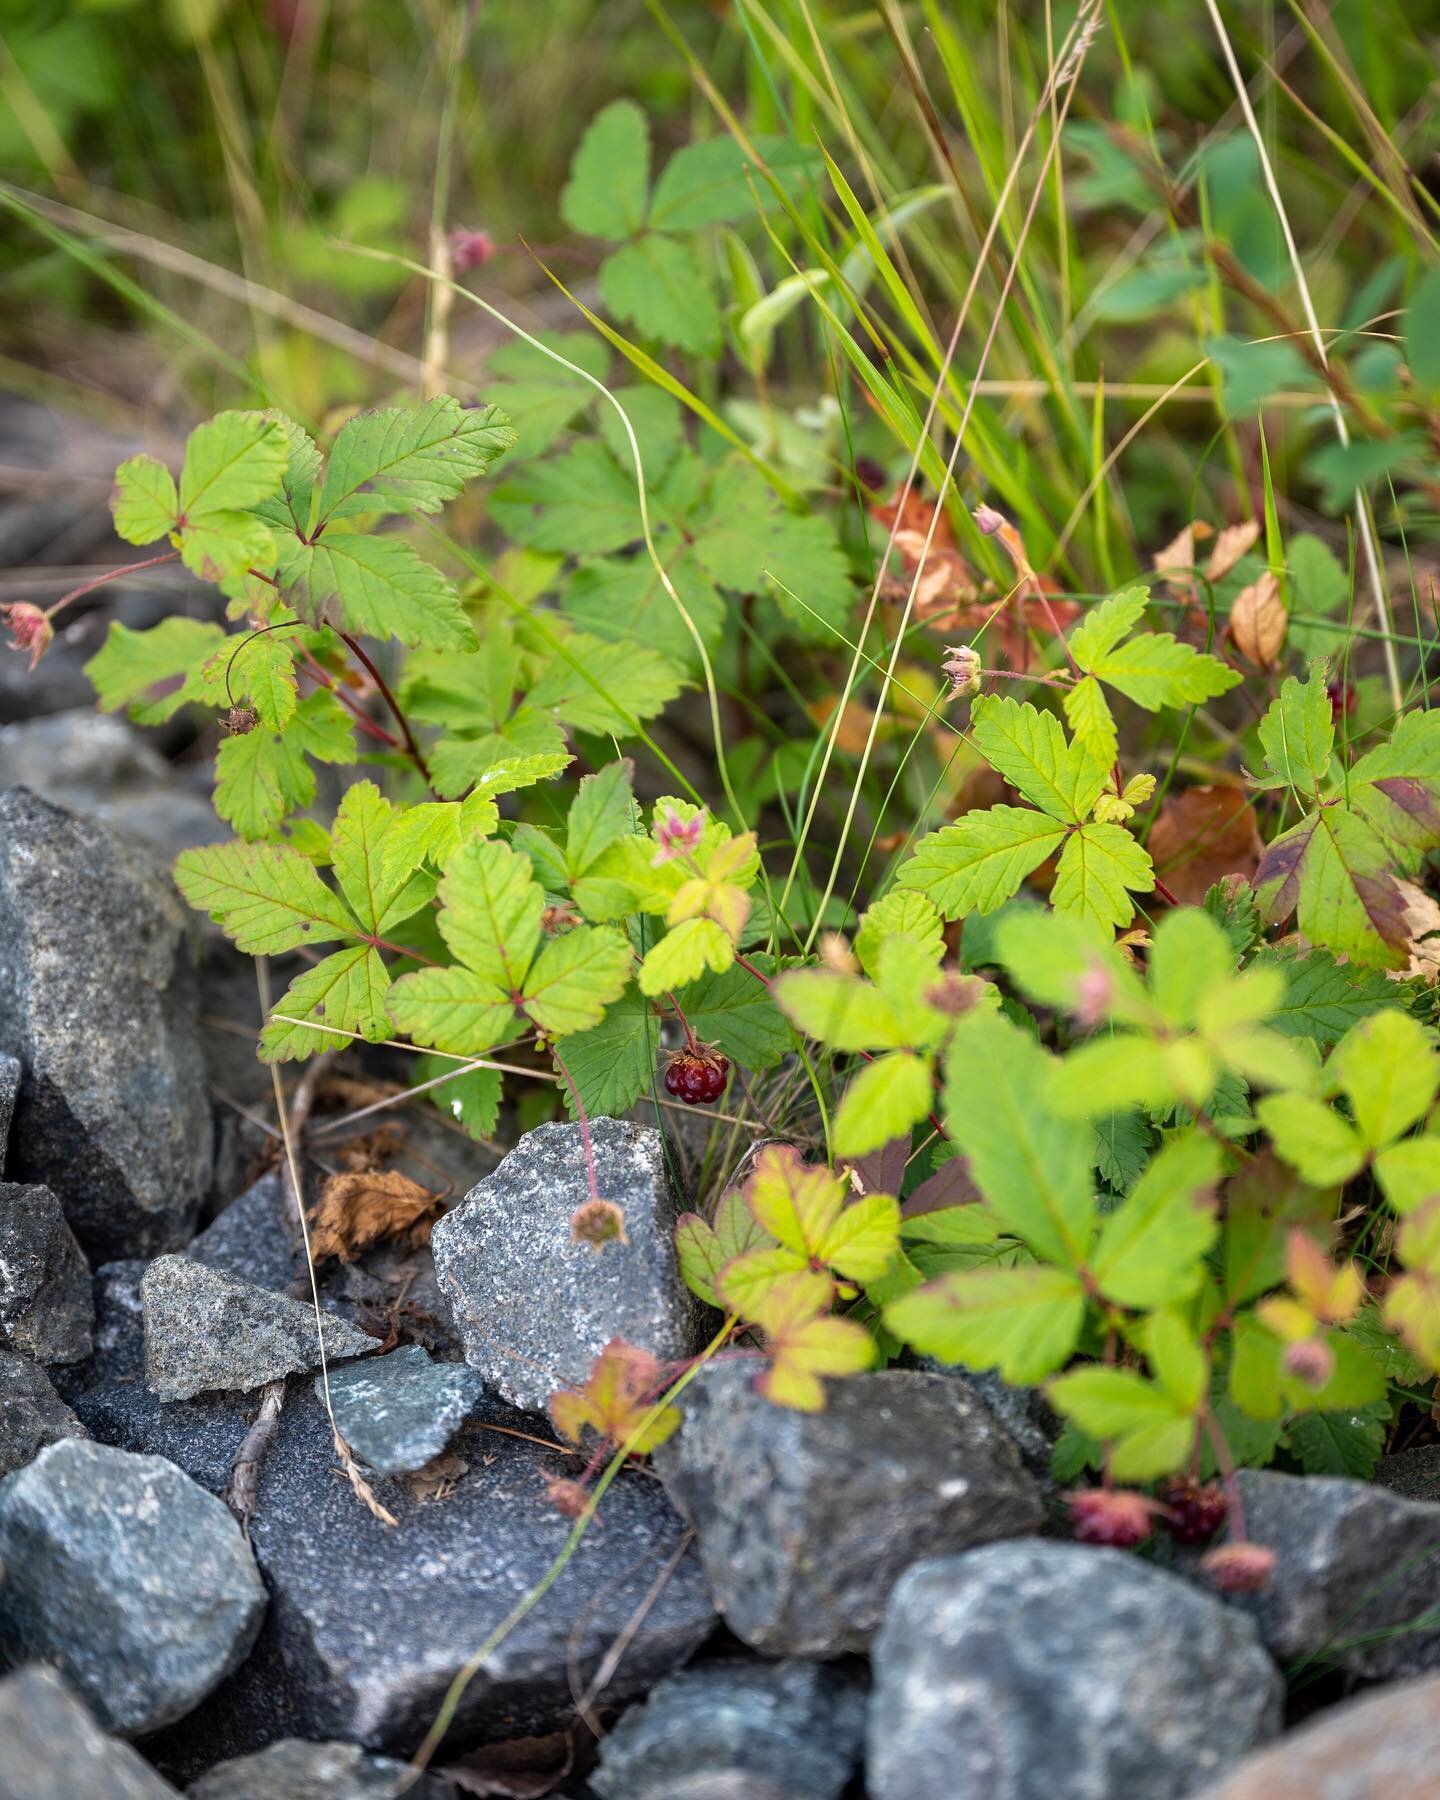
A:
99,581
356,711
691,1041
412,749
1227,1474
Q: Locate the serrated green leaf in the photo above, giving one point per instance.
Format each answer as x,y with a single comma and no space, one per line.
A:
840,1010
1089,716
381,891
657,421
1323,998
1150,1435
603,687
258,666
232,462
1150,1250
1190,962
610,174
412,459
977,863
1058,959
613,1064
1344,1444
705,1249
1029,749
224,544
751,545
266,899
374,585
659,286
902,913
1388,1068
1297,735
1156,670
683,955
260,777
580,503
715,181
453,1009
738,1014
471,1098
543,395
602,811
345,991
1024,1322
1334,873
575,977
493,764
1099,867
491,909
148,672
1032,1166
886,1099
434,830
144,502
1312,1138
1121,1149
624,600
1105,625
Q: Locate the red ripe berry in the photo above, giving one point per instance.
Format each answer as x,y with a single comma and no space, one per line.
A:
697,1075
1193,1513
1343,699
1115,1517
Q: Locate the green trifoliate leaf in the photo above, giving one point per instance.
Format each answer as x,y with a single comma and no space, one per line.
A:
659,286
381,892
346,991
624,599
374,585
582,503
150,672
683,955
1316,1142
604,687
1024,1322
1343,1444
258,667
412,459
144,503
491,913
613,1063
575,977
453,1009
232,462
1323,998
749,544
1032,1166
1150,1251
1107,625
1091,720
716,182
903,913
266,899
472,1098
840,1010
1153,670
602,812
605,196
433,831
1098,868
1029,749
976,864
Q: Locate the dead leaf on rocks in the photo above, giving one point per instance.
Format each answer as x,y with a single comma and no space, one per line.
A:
1202,835
356,1210
1258,620
439,1478
1230,545
1422,933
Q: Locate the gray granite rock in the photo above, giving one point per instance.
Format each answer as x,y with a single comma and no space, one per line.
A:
807,1520
98,1000
1034,1670
46,1308
1375,1748
1357,1573
396,1412
130,1577
32,1414
533,1307
368,1625
1413,1474
296,1770
9,1093
206,1330
51,1748
256,1237
739,1729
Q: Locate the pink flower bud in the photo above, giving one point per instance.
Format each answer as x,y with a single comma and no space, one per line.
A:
1240,1568
470,250
962,665
1310,1360
988,520
676,836
1093,993
29,627
1116,1517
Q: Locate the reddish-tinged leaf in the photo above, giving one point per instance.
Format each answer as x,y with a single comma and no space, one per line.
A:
619,1393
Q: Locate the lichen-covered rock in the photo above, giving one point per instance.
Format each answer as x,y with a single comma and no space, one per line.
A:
206,1330
1031,1670
32,1414
1357,1573
368,1625
396,1412
1374,1748
46,1308
98,1001
51,1748
296,1770
136,1582
739,1730
9,1092
533,1306
807,1520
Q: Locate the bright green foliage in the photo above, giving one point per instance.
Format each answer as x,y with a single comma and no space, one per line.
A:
1338,871
976,864
1150,1423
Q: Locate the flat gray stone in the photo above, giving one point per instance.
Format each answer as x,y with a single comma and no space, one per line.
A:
368,1625
296,1770
130,1577
9,1093
807,1520
1413,1474
98,1000
206,1330
51,1748
739,1730
398,1411
1034,1670
46,1308
534,1308
32,1414
256,1237
1357,1573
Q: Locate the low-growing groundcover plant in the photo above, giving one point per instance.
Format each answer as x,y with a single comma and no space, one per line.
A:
1168,1154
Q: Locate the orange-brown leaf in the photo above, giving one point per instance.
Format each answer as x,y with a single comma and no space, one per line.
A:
1258,620
1230,545
356,1210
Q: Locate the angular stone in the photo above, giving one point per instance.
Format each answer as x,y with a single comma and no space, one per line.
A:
807,1520
1369,1749
9,1092
396,1412
533,1307
255,1238
368,1625
46,1308
1034,1669
739,1730
1413,1474
1357,1573
32,1414
98,1000
51,1748
136,1582
206,1330
295,1770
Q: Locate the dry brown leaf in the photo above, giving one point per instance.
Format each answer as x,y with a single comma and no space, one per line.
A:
1230,545
356,1210
1422,933
439,1478
519,1768
1257,621
1202,835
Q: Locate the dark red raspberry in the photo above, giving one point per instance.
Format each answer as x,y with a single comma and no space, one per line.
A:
697,1075
1193,1513
1115,1517
1343,699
